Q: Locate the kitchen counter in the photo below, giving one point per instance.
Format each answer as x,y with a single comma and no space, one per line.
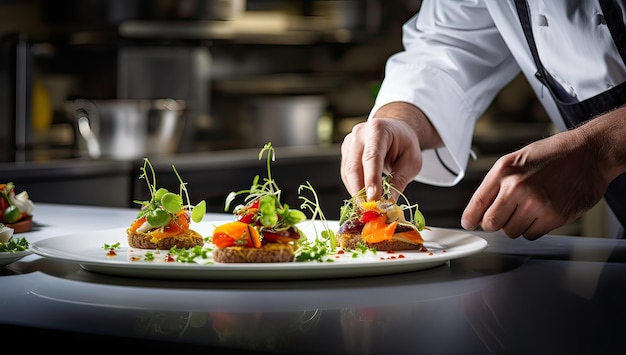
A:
556,295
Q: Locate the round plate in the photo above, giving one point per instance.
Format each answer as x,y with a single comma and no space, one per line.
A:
87,249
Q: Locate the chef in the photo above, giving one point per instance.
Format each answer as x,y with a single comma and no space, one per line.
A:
457,56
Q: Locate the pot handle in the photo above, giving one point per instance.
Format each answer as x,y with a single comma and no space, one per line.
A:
84,128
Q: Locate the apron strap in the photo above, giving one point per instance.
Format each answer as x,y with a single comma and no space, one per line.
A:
616,26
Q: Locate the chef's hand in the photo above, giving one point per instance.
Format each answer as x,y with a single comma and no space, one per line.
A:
390,142
548,183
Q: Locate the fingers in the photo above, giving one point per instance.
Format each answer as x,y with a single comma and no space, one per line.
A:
481,200
506,202
379,146
362,160
351,165
375,150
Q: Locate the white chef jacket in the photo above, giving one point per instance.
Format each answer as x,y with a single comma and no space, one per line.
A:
458,54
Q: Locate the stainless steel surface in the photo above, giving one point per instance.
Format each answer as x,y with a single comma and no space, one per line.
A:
127,129
180,72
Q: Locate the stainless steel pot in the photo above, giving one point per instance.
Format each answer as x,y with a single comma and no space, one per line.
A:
286,120
127,129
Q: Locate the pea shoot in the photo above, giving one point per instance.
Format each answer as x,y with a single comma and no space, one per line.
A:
14,245
163,204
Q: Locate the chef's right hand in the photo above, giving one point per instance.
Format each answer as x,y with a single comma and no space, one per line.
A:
387,143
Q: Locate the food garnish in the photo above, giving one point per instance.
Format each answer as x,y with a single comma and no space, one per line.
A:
12,244
165,218
264,221
381,221
324,246
14,207
263,208
164,206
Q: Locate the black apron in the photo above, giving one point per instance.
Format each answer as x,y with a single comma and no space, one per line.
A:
575,112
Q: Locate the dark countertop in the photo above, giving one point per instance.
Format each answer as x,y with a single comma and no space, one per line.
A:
556,295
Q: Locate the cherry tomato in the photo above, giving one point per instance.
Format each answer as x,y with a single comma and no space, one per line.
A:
247,219
369,215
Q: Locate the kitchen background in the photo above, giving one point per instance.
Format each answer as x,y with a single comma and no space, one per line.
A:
214,80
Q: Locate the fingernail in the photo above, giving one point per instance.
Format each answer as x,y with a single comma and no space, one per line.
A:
369,192
466,225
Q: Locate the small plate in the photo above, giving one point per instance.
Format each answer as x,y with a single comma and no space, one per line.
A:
7,258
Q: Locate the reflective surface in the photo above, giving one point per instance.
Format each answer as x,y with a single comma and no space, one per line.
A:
554,295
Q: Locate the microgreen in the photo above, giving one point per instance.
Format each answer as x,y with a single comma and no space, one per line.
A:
350,210
190,255
14,245
272,213
325,242
111,246
163,204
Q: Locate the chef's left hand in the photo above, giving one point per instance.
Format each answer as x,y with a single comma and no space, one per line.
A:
546,184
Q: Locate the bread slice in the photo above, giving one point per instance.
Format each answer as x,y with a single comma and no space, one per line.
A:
187,240
268,253
350,240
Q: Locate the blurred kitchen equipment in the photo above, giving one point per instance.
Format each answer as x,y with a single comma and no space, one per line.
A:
127,129
286,120
177,72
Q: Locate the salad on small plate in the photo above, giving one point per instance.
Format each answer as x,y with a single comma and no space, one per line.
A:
11,249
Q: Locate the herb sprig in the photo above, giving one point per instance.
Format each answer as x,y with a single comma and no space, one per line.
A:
163,204
325,243
272,213
350,209
14,245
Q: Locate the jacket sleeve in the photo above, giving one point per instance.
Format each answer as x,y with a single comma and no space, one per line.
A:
453,64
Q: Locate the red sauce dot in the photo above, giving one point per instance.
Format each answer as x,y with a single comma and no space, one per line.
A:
111,252
391,251
341,251
401,256
169,258
431,254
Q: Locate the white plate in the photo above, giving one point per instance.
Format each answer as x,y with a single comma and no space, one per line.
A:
7,258
87,249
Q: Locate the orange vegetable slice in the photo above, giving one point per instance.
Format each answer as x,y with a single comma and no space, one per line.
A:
377,230
242,234
178,225
411,236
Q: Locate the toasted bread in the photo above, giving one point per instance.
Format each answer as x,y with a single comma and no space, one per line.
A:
350,240
187,240
268,253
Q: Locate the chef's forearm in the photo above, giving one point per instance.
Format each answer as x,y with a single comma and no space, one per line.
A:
607,136
426,132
